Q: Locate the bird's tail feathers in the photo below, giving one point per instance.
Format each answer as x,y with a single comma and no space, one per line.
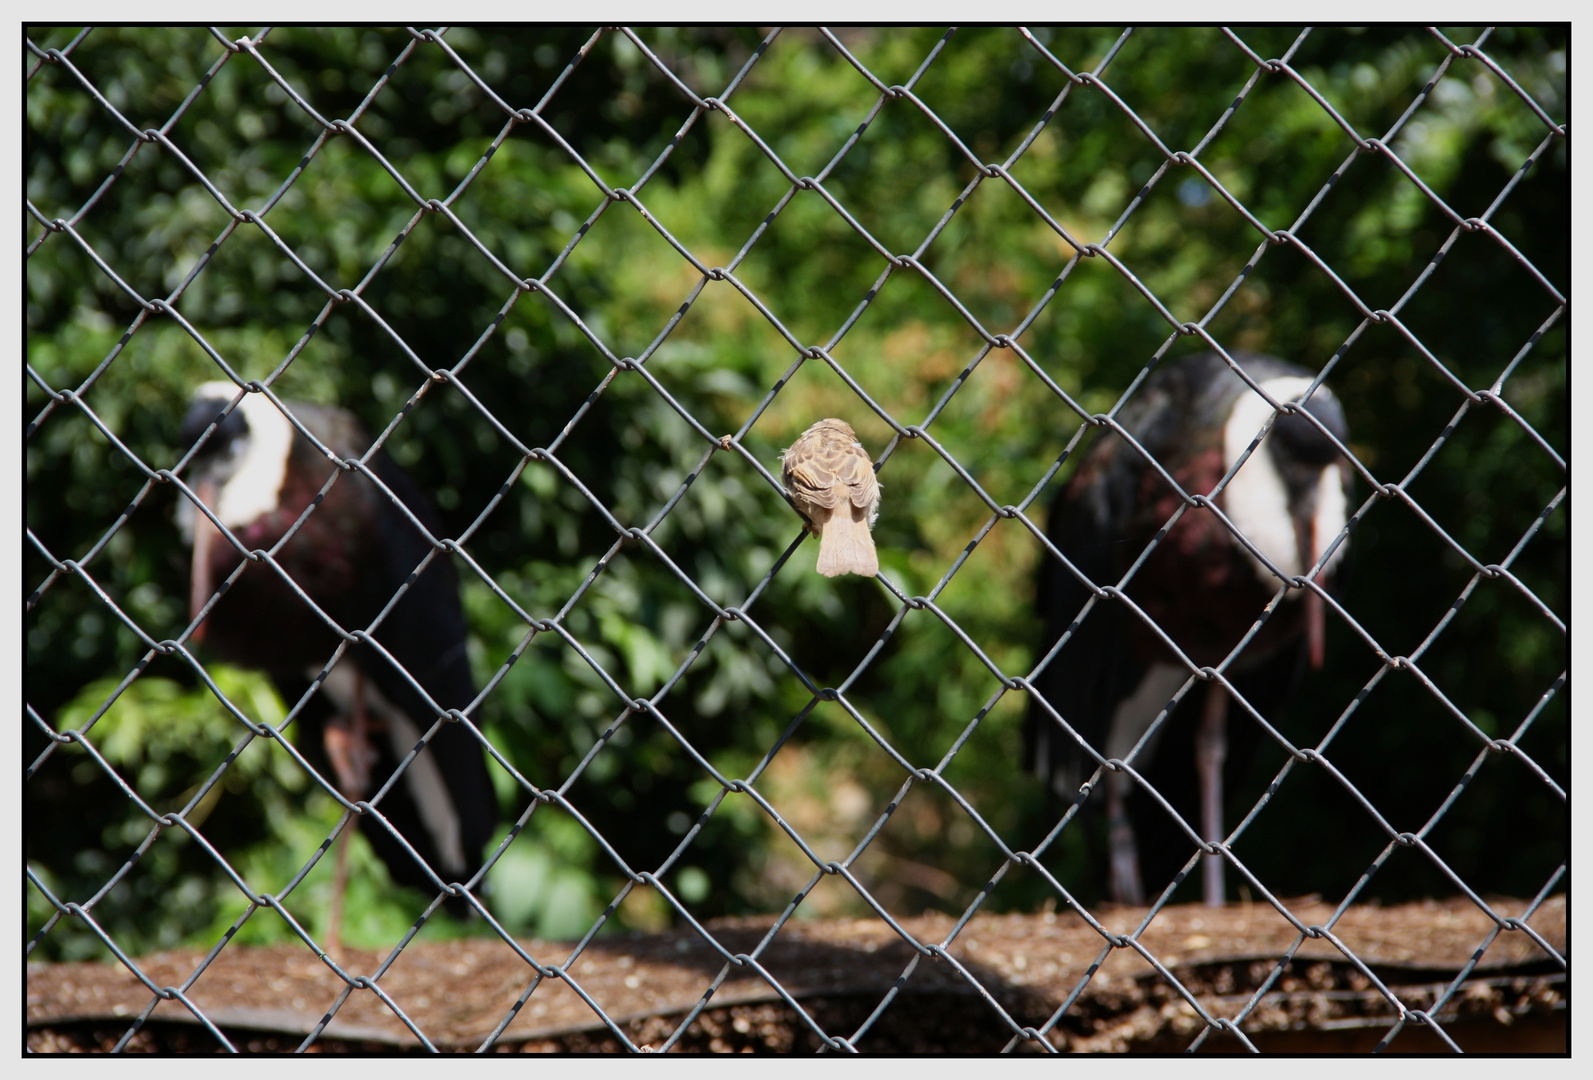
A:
846,547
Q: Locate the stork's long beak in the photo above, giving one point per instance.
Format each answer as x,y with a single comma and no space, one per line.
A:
1315,610
199,574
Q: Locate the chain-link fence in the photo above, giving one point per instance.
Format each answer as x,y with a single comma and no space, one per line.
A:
585,288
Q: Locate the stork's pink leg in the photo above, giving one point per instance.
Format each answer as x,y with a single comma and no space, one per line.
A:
1211,748
334,921
1124,851
348,748
348,745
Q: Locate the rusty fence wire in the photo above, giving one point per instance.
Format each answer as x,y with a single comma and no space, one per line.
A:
72,67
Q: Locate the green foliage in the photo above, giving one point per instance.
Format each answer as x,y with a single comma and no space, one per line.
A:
535,370
165,743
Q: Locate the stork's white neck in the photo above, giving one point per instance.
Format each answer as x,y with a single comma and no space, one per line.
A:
1256,500
250,474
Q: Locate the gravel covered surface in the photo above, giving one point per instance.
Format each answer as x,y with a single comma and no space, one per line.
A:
458,993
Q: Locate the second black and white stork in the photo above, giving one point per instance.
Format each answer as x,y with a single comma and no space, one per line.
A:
1201,586
350,556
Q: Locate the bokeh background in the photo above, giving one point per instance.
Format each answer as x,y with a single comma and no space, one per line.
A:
808,267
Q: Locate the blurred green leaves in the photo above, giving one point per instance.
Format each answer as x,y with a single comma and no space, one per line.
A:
538,374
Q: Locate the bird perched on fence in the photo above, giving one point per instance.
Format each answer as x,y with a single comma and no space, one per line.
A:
829,476
350,556
1201,586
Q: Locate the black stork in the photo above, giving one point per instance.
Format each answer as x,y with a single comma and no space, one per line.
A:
350,556
1202,587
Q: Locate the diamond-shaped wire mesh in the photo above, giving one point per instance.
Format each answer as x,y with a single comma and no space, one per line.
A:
586,287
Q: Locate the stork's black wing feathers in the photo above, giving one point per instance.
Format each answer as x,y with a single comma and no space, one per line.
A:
1094,669
1102,521
425,633
1099,524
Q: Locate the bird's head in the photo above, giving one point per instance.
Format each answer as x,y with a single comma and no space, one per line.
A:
1300,450
237,474
243,463
1290,498
838,427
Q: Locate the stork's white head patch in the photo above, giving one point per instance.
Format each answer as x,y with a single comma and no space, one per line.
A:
249,474
1256,500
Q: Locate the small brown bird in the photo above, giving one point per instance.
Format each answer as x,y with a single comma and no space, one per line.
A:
829,476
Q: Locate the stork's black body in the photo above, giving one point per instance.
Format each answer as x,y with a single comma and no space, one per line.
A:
350,556
1200,586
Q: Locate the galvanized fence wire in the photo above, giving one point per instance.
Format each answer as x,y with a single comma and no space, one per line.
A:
1458,61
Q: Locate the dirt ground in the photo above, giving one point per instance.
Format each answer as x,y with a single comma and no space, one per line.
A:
837,974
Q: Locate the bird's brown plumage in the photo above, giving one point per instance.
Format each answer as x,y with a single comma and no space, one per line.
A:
829,476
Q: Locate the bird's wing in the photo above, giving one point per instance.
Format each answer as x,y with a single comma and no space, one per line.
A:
811,481
425,632
856,471
1094,669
